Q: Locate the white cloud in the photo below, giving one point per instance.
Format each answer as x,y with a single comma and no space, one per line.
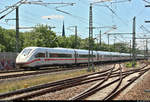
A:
53,17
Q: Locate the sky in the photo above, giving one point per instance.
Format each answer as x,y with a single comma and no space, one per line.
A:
106,14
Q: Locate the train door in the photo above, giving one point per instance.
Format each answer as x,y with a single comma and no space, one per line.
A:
75,56
97,57
40,57
46,58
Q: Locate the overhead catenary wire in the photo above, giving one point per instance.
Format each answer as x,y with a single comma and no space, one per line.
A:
76,17
14,7
65,12
146,1
31,17
116,15
113,12
121,1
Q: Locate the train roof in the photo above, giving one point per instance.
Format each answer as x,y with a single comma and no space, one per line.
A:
104,53
81,51
125,54
37,48
64,50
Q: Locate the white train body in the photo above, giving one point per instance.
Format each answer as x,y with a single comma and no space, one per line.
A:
42,56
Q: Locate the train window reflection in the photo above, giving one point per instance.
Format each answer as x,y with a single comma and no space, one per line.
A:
83,56
26,52
60,55
40,55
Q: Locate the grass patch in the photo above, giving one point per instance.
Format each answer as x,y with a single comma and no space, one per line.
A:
31,81
129,64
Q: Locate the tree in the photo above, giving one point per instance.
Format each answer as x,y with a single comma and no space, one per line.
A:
7,40
121,47
63,42
84,44
40,36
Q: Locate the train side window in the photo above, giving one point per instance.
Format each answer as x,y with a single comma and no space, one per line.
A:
40,55
65,55
94,55
108,55
83,56
53,55
60,55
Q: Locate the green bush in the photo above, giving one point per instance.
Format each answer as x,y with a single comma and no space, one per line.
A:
129,64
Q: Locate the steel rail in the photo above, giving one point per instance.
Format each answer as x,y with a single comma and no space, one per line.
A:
19,91
56,86
99,88
34,73
118,85
124,87
64,85
79,97
50,70
49,84
86,92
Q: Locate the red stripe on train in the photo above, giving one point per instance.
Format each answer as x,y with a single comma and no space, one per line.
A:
54,59
33,61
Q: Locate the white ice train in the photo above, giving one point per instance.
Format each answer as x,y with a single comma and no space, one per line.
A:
42,56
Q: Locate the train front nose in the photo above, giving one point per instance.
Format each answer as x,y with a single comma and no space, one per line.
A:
23,57
21,61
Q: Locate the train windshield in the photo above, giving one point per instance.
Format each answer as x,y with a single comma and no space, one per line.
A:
25,52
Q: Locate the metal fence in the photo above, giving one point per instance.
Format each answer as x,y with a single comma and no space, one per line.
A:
7,60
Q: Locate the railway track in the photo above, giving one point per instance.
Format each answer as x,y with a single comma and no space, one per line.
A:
54,86
28,69
102,76
99,86
21,70
39,69
21,73
116,92
51,68
94,88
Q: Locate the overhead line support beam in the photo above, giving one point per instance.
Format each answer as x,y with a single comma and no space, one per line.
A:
147,21
147,5
133,44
